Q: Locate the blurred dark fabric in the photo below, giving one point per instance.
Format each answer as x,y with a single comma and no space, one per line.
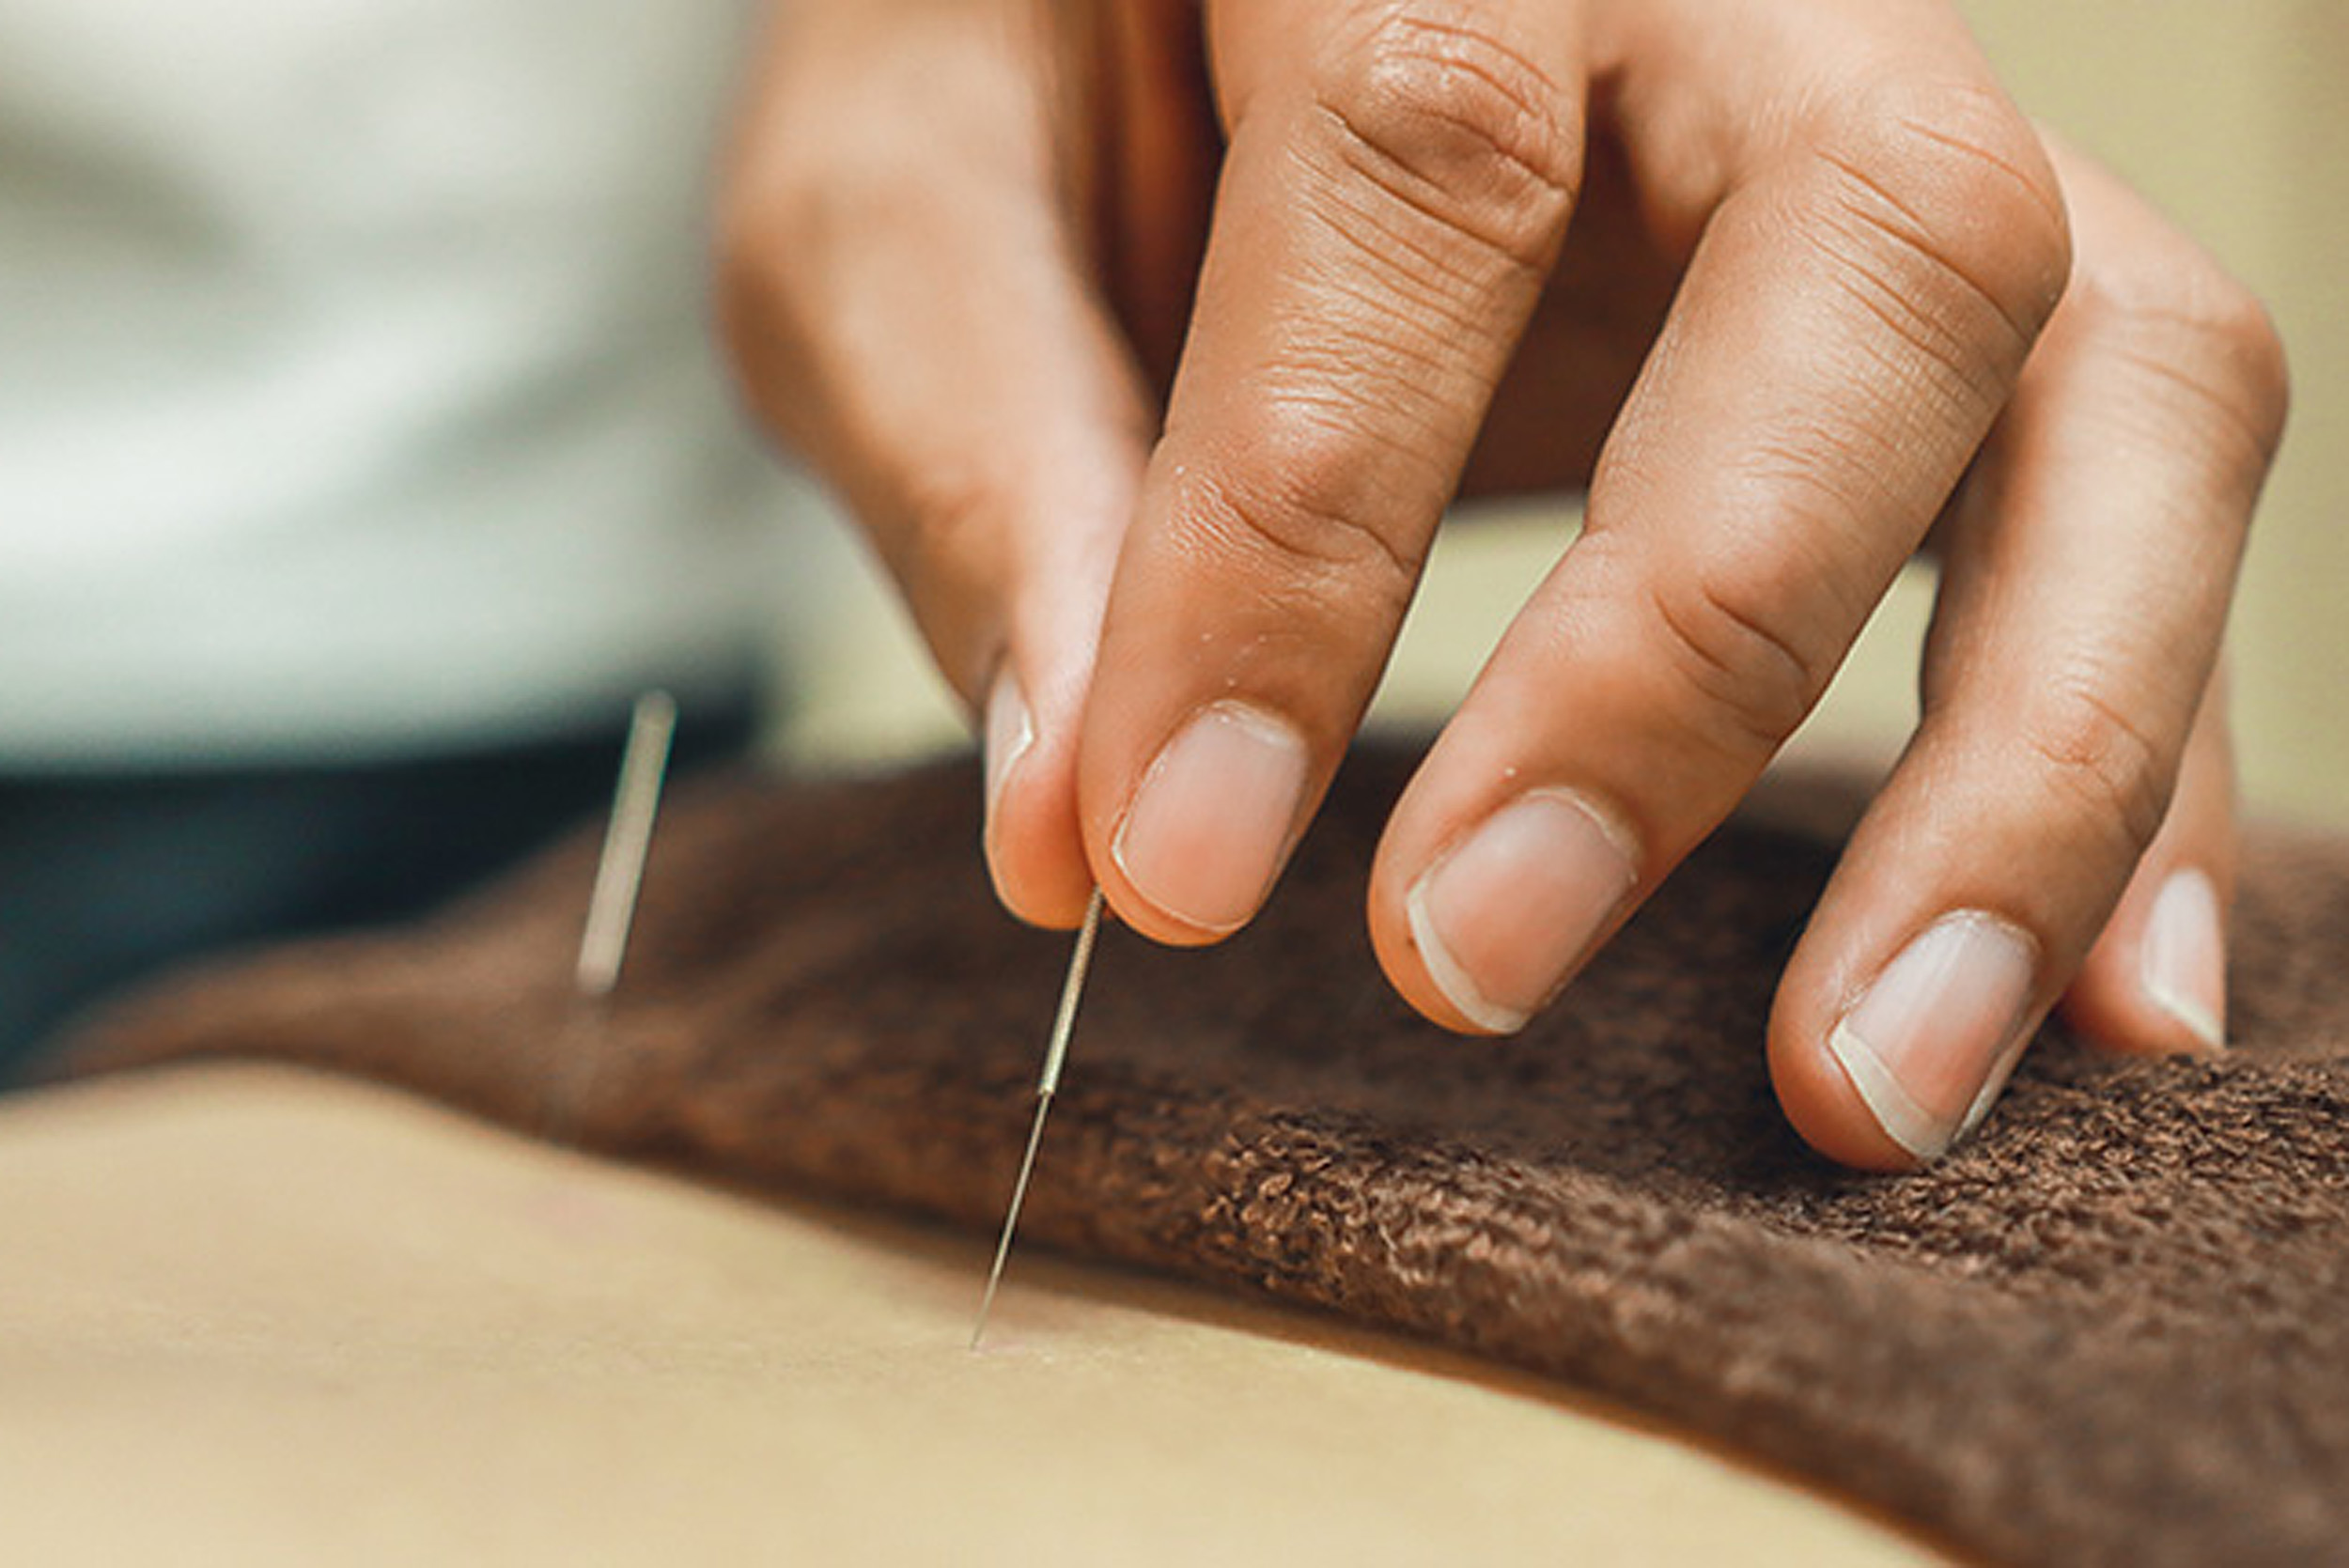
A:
107,878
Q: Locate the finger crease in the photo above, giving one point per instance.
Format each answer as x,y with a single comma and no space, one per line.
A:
1913,235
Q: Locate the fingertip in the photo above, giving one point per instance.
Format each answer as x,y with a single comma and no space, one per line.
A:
1411,962
1825,1109
1035,863
1140,915
1411,954
2155,980
1141,910
2154,983
1034,855
1814,1085
1483,920
1009,736
1201,837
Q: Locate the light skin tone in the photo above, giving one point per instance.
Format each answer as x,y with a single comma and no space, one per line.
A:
1151,340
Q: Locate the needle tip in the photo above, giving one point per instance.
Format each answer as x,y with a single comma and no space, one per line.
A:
1011,1215
1047,1084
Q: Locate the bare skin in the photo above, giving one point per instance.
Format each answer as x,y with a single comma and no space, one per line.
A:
1150,342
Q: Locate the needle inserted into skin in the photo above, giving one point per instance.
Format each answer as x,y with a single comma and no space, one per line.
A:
1047,1083
612,906
620,872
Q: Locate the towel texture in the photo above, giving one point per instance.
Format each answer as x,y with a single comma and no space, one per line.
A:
2109,1329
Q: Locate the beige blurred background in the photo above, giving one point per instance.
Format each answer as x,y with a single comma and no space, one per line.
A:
2231,117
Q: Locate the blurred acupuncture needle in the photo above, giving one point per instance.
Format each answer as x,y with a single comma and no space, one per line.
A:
627,838
612,906
1047,1084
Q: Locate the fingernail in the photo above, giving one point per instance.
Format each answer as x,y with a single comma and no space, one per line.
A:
1502,918
2185,959
1009,733
1209,826
1929,1046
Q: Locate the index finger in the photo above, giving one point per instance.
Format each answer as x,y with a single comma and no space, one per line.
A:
1399,179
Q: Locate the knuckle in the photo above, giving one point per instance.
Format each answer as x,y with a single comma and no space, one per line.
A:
2182,317
759,341
1732,640
1955,208
942,506
751,314
1295,492
935,519
1441,114
944,531
2103,761
778,226
939,529
2265,371
743,282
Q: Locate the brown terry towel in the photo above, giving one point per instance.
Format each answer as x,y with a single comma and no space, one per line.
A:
2112,1328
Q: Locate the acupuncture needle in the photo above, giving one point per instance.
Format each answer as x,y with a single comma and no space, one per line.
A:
1046,1085
612,905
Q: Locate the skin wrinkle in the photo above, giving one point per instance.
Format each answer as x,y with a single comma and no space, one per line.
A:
822,996
1527,257
1929,243
1323,370
1962,393
1449,313
1321,551
2032,182
2204,402
2102,757
1405,226
1757,677
1494,126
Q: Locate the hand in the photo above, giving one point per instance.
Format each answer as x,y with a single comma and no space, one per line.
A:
1151,351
